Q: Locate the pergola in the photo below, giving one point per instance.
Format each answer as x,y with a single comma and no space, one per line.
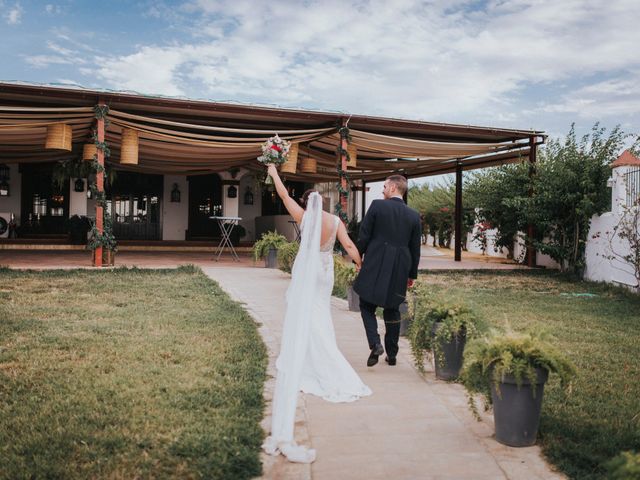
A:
190,137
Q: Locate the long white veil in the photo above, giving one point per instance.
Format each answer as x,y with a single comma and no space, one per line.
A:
295,335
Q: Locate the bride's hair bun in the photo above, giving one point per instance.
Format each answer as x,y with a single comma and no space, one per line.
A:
305,197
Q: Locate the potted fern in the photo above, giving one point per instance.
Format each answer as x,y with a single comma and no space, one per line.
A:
440,328
509,371
625,466
287,255
267,248
345,275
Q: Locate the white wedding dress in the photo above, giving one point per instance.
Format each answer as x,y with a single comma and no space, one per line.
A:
309,359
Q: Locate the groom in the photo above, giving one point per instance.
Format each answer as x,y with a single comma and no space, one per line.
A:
389,241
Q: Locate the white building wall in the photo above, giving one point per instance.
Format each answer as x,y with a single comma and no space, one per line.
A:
374,193
77,200
249,213
601,240
175,215
475,246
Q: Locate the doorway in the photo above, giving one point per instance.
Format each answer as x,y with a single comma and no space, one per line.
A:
205,200
134,202
44,207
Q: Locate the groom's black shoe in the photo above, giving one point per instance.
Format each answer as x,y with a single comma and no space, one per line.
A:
376,351
390,360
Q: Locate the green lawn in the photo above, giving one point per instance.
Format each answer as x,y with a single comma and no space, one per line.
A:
600,334
127,374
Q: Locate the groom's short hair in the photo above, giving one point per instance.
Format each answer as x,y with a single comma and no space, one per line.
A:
400,182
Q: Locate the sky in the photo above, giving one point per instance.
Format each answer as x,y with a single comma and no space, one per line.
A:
515,64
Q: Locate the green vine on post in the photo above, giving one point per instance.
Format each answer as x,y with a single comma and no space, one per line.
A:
342,174
101,112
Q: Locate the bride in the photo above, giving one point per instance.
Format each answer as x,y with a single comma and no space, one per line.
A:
309,358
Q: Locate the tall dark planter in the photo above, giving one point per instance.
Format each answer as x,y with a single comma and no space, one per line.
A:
448,355
271,260
516,410
353,299
405,318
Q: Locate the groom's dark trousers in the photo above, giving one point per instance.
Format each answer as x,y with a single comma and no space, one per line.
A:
391,317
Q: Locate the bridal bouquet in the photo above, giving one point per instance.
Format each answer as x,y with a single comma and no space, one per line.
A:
276,151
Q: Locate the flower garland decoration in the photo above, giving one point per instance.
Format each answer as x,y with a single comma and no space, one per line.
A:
275,150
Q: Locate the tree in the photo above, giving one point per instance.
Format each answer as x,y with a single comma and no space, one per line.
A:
570,186
498,194
437,207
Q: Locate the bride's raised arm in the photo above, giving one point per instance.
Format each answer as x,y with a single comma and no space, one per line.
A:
348,245
295,210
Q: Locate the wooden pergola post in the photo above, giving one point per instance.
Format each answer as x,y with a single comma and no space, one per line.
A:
531,252
458,215
342,162
99,185
364,199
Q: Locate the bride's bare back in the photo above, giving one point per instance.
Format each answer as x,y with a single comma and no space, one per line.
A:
328,227
328,222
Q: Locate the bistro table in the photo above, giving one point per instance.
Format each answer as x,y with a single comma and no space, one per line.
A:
226,227
296,227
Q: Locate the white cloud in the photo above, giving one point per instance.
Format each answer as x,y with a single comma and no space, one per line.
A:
150,70
614,97
61,56
14,15
41,61
441,60
52,9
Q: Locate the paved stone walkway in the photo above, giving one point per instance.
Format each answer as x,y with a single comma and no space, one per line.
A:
431,259
412,427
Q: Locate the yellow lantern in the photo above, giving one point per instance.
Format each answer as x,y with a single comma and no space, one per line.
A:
89,150
59,137
292,161
129,147
309,165
352,150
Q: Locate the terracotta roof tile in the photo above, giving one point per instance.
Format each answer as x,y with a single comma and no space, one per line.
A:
626,159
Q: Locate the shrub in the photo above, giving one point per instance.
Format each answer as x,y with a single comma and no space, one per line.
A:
268,241
287,255
489,359
454,318
625,466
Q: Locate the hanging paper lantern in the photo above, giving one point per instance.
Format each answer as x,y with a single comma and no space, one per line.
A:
129,147
59,137
292,160
352,150
89,151
309,165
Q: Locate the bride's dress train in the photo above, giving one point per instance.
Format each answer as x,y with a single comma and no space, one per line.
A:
309,359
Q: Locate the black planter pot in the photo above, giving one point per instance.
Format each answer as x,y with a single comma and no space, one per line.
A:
271,260
354,299
448,355
79,227
405,318
516,411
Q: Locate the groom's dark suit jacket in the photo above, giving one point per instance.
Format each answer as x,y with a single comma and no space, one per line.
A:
389,239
